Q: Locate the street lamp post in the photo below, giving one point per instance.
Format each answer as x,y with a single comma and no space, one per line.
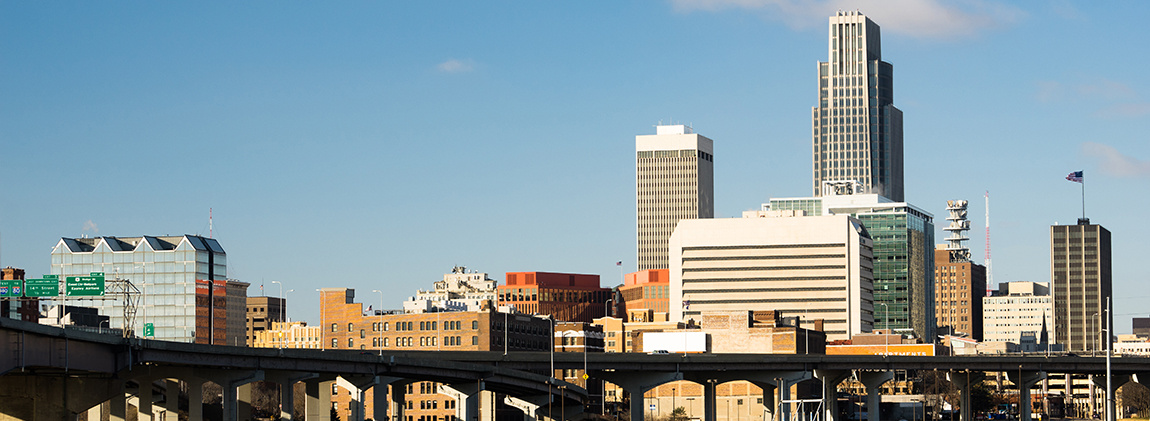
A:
380,327
281,303
607,308
322,326
886,321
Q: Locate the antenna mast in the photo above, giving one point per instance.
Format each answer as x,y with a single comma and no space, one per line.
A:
209,222
986,261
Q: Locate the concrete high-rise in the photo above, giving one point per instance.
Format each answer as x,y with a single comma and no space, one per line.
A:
1080,280
674,180
857,131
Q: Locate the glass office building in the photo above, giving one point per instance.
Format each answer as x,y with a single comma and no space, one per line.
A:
163,269
857,130
903,256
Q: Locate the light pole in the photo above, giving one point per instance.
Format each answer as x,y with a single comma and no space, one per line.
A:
607,308
886,321
281,304
380,328
284,325
1097,338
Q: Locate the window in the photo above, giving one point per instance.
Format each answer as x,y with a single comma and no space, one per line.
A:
334,327
334,342
350,327
474,325
384,326
361,334
350,343
475,340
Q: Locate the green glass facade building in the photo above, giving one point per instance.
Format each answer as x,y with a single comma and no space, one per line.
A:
903,256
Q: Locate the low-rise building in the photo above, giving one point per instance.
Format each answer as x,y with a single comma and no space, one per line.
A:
287,335
1021,313
459,290
646,290
568,297
262,312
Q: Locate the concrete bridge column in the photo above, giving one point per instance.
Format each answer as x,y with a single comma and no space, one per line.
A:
171,400
358,385
118,405
1108,402
873,381
144,398
237,391
318,404
286,381
1027,380
467,396
380,398
528,405
831,380
637,384
398,399
95,412
963,380
777,382
195,398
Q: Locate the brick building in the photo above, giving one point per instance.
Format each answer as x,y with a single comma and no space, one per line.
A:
646,289
287,335
960,285
565,296
345,325
262,312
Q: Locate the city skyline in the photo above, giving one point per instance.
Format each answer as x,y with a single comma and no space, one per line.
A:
377,146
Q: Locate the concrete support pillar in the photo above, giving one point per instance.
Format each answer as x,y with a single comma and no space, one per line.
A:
830,381
171,400
529,405
398,398
379,396
776,384
95,412
118,405
231,383
637,384
963,380
1109,401
466,396
318,404
1027,381
243,401
195,399
873,381
144,399
358,386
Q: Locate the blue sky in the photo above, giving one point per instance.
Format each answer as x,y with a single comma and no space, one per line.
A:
375,145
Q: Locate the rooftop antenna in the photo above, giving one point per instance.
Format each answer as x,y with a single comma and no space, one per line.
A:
986,260
209,222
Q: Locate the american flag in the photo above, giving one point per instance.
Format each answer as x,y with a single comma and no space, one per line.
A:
619,263
1075,177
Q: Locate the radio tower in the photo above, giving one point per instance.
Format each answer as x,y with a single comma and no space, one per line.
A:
989,273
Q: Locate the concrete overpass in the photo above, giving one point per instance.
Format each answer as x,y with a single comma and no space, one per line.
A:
51,365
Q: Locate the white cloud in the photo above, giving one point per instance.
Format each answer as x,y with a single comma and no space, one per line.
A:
1114,163
456,66
91,226
916,18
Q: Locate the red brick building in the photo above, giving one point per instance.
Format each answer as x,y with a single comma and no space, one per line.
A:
565,296
646,290
959,288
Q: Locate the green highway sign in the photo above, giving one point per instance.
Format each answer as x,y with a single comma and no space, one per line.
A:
49,287
84,285
56,277
12,288
149,329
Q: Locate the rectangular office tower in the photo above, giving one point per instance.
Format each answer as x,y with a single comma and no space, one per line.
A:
857,131
674,180
813,268
1080,279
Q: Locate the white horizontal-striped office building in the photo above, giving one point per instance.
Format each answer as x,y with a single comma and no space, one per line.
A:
816,267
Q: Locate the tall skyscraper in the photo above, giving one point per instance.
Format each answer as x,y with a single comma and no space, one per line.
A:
857,131
1080,278
674,180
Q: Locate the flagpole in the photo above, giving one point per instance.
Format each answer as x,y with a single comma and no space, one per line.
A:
1083,196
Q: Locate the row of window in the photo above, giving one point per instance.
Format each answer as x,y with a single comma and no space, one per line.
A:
409,326
407,341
